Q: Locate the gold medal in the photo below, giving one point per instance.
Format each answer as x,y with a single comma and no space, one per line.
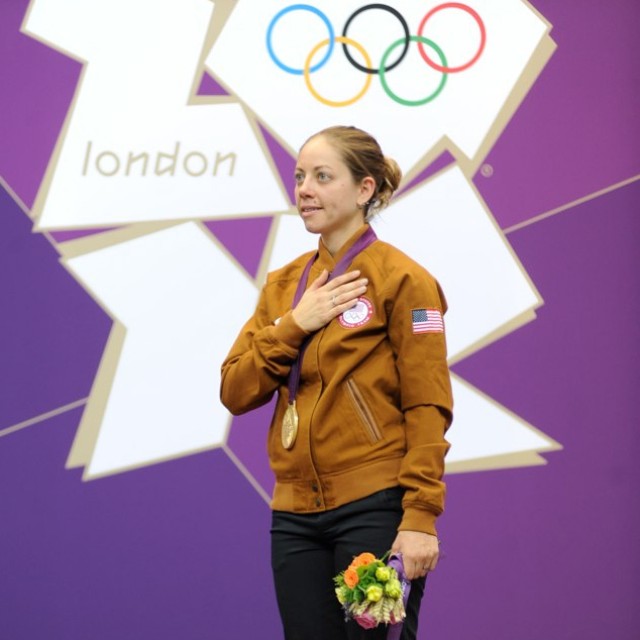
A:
289,426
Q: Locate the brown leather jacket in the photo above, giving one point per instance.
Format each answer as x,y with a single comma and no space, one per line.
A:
374,400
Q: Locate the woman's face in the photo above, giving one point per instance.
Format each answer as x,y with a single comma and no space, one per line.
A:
329,200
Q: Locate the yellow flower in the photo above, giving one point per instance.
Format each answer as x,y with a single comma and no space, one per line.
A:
393,588
383,574
374,593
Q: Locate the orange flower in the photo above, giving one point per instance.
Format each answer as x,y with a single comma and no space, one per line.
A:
351,578
363,559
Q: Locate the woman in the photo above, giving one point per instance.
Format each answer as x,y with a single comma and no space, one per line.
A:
351,338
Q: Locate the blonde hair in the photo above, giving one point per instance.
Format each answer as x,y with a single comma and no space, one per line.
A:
363,156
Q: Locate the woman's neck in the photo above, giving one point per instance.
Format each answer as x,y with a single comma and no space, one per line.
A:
336,240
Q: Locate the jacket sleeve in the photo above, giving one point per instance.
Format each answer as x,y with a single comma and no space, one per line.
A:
426,399
260,359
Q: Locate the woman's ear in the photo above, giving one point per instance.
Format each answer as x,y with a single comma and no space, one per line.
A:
367,189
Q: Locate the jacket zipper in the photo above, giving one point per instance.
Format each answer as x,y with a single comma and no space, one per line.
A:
363,411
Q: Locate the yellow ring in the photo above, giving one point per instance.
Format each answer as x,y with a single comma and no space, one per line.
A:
307,67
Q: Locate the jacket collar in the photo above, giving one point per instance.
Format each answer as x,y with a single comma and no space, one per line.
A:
326,260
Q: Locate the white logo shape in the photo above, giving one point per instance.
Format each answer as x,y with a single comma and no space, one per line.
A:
358,315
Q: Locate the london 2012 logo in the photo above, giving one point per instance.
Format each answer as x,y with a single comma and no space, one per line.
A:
391,58
152,175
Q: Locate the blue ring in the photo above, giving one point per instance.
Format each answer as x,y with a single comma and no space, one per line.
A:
305,7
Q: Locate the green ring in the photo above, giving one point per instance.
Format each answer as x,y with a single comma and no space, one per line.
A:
383,81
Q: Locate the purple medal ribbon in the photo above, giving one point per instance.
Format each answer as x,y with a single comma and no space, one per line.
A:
367,238
395,562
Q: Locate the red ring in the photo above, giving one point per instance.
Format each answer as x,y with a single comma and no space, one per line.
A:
483,37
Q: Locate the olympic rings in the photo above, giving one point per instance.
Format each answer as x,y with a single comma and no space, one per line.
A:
369,69
413,103
405,27
295,7
307,70
483,37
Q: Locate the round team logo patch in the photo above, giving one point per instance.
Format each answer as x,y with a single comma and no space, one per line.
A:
358,315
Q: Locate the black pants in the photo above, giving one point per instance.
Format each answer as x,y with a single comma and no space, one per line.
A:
308,550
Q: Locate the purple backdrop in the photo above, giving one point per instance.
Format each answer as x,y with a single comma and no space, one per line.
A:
180,549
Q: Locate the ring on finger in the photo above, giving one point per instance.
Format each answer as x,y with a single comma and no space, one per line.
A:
333,301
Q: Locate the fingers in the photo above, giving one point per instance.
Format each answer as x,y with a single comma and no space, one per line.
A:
340,291
320,280
420,552
344,290
323,301
417,567
344,297
339,285
344,278
420,568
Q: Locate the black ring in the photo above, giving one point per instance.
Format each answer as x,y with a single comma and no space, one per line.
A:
404,24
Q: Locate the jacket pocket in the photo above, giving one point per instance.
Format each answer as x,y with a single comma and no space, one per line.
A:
364,412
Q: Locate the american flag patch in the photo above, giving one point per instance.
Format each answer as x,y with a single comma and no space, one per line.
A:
427,321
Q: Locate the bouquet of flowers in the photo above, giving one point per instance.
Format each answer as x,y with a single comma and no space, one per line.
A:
371,591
